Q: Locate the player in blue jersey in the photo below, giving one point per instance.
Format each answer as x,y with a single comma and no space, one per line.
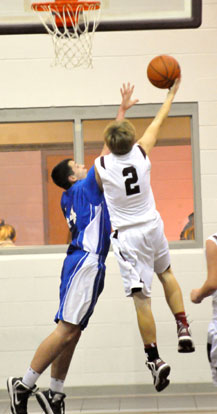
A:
82,280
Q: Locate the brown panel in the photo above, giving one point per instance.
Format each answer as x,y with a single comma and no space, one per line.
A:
90,155
21,195
58,232
36,133
172,129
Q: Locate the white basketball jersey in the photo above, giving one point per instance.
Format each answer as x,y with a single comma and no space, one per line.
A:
127,189
213,237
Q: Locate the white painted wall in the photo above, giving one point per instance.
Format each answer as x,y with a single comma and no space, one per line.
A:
110,351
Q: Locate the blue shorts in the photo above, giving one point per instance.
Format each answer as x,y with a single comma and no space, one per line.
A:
82,281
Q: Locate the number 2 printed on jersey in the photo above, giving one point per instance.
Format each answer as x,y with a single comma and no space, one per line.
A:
130,182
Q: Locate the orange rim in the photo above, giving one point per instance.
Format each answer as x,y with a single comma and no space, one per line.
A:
59,5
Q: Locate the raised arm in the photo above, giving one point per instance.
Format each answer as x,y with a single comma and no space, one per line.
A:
149,138
210,285
126,103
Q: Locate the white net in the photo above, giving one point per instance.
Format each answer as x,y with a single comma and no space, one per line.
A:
72,30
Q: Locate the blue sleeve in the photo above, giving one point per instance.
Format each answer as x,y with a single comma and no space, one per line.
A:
91,188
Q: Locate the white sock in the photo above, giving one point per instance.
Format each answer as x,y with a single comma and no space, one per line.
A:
30,377
56,385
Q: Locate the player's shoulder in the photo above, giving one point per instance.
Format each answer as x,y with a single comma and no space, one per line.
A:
140,150
103,160
66,195
91,190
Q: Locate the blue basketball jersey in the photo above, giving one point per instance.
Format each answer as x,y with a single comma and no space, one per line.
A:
86,213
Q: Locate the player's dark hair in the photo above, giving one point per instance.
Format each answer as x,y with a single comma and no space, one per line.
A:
120,137
61,172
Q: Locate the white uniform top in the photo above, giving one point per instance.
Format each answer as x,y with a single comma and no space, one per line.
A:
213,237
212,329
127,189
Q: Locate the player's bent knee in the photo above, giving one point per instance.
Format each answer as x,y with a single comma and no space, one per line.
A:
140,299
68,331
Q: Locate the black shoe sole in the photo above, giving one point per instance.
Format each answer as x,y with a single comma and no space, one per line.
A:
164,382
163,385
185,346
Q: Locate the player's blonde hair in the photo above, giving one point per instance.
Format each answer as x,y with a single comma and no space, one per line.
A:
7,232
120,137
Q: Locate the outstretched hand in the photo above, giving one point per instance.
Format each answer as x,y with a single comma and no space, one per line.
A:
126,93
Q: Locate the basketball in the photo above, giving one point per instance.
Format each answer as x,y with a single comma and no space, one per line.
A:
162,71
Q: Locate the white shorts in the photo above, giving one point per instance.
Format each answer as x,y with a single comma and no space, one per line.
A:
141,250
212,340
82,281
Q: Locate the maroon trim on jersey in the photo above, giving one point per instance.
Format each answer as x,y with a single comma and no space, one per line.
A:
215,237
102,162
121,254
115,235
142,151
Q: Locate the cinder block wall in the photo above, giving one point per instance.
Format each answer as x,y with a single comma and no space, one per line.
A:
110,351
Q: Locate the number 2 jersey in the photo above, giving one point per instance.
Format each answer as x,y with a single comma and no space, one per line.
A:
127,189
86,213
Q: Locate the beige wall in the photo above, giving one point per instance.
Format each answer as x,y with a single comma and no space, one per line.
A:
110,351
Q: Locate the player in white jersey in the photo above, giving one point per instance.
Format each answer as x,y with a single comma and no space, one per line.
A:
138,240
209,288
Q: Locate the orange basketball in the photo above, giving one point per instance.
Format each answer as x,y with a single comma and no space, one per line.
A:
163,70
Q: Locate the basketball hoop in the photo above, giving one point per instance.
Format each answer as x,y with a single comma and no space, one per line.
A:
71,24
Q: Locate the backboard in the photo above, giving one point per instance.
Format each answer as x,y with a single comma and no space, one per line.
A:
17,17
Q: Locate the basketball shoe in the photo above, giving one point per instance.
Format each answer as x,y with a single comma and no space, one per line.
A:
185,342
51,402
160,371
19,394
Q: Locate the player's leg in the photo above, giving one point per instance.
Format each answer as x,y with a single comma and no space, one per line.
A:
212,350
20,389
159,369
172,290
53,345
60,365
52,399
82,295
145,318
135,258
174,298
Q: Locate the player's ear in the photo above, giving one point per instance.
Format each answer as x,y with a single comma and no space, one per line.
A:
72,178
